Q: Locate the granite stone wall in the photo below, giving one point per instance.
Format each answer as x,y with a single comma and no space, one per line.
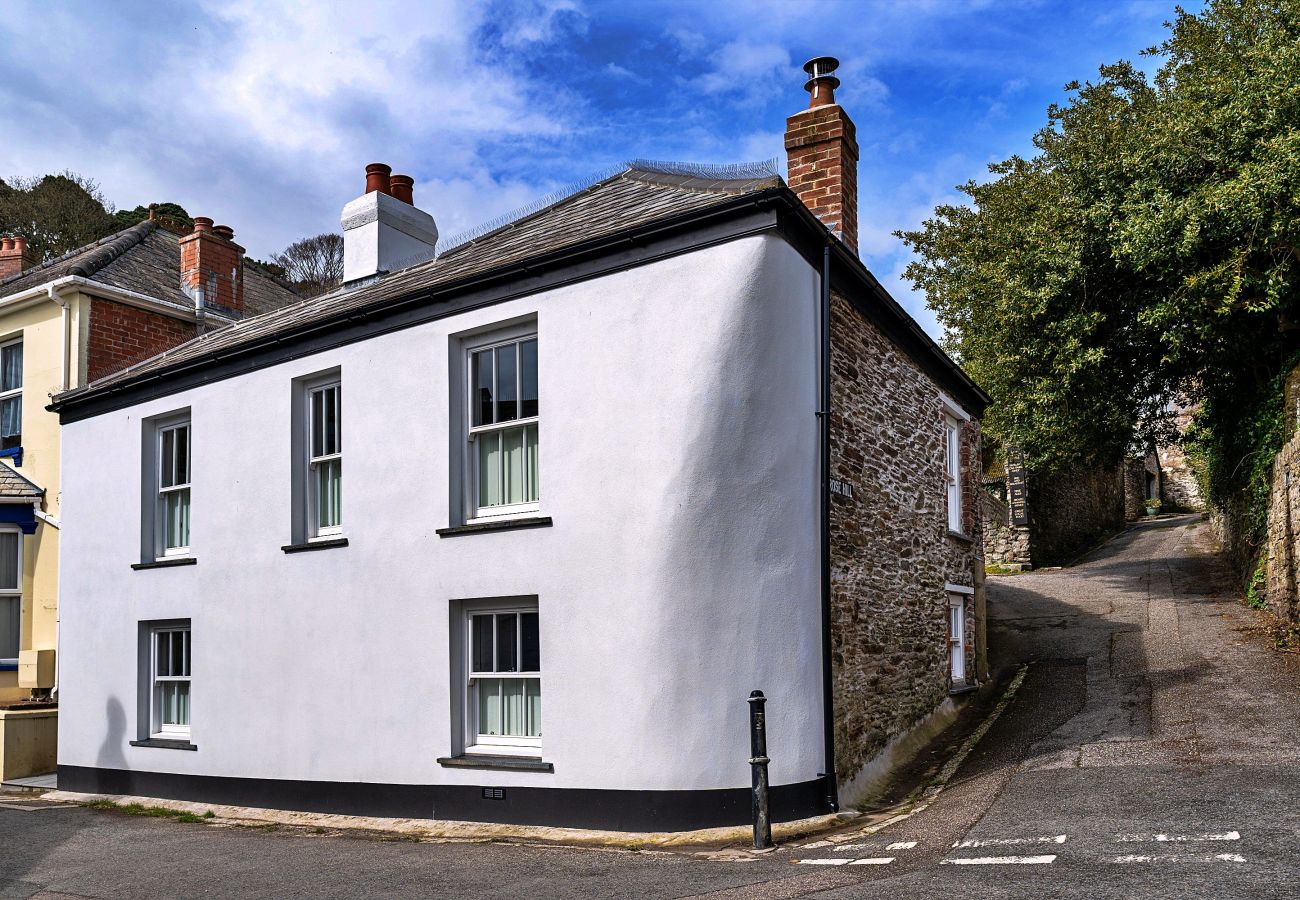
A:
891,551
1004,543
1283,547
1069,511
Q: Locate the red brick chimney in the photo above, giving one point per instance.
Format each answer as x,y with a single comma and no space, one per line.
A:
821,148
213,263
14,255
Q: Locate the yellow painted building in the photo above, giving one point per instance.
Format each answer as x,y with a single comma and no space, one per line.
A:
69,321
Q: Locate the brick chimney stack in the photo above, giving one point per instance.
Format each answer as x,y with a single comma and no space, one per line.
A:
821,148
212,263
14,255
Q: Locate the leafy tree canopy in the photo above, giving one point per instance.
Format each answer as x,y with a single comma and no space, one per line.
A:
1150,246
56,213
170,213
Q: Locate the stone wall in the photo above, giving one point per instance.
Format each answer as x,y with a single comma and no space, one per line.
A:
1283,548
1135,486
1004,543
1070,511
891,552
1180,489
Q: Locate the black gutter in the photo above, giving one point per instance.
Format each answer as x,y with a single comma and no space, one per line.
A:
824,507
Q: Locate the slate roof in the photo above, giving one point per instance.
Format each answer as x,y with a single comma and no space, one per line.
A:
15,487
638,196
145,259
634,196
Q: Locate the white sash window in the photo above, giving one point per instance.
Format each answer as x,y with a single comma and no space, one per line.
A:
503,428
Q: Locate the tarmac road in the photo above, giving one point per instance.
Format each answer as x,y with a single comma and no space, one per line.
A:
1151,751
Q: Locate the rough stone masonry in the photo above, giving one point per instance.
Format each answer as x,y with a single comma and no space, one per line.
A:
891,551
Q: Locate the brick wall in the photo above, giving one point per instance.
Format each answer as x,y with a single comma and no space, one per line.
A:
121,335
891,553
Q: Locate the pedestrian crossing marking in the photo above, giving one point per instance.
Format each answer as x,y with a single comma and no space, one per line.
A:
901,845
1180,857
1000,842
1179,838
999,860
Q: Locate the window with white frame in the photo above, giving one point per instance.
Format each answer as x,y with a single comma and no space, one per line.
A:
952,471
11,593
503,428
172,517
503,709
325,459
957,639
169,681
11,395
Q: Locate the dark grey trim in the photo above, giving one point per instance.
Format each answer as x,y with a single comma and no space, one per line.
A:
960,536
566,807
315,545
165,744
775,209
166,563
504,525
489,761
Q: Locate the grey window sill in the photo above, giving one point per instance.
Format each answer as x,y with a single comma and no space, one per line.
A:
315,545
484,761
164,744
960,536
962,689
166,563
504,525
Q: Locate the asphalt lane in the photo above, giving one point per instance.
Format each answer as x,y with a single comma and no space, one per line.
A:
1152,750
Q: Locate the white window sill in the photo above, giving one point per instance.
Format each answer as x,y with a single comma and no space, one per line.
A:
502,523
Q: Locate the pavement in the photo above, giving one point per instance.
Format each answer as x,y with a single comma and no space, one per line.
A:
1151,750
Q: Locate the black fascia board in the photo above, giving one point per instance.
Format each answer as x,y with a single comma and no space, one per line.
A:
772,209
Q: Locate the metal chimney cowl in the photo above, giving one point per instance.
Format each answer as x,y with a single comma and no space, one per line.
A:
383,234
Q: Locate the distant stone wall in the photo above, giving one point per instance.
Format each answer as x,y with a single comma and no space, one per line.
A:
1072,510
1004,543
1180,489
891,552
1135,486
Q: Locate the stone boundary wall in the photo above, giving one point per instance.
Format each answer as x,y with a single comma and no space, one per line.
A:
891,551
1004,543
1072,510
1283,547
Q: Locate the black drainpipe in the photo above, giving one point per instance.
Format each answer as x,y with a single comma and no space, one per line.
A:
824,438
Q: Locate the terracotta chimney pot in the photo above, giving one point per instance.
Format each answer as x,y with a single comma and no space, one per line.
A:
402,188
201,224
377,178
224,231
6,243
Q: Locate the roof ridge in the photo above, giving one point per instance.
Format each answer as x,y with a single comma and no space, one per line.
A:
121,242
743,171
138,233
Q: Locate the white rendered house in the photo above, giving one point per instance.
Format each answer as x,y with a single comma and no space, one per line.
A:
506,534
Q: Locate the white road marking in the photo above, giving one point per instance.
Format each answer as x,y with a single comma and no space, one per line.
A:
901,845
997,842
874,861
829,861
1162,838
1180,857
999,860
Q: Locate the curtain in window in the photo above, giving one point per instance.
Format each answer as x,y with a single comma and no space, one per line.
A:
11,543
10,626
11,420
11,367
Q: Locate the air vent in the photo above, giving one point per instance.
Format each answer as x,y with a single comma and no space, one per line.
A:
494,793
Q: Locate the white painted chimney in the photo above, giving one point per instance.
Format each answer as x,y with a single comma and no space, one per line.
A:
384,233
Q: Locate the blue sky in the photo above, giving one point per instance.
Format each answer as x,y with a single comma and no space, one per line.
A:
262,114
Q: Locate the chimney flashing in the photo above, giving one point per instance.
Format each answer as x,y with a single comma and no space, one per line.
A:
384,234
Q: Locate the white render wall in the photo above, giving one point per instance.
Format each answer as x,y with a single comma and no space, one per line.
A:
678,460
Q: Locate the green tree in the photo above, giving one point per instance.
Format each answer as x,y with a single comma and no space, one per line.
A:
170,213
56,213
1148,247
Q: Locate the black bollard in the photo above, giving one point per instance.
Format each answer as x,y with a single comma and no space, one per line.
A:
758,764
